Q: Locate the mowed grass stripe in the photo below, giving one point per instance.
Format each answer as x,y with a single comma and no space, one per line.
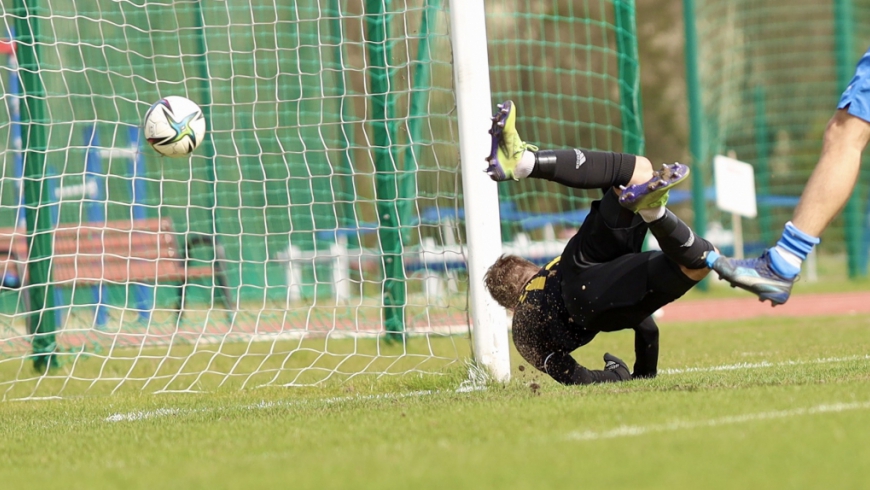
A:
758,404
170,411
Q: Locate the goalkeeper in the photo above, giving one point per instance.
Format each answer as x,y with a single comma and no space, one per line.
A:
602,282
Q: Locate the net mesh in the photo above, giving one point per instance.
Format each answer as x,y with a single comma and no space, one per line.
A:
321,216
559,62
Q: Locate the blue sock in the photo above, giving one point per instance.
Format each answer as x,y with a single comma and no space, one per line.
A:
794,242
711,257
781,266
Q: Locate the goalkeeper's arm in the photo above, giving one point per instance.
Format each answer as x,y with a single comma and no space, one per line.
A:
646,349
564,369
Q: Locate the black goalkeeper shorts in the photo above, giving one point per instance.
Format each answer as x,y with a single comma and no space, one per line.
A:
621,293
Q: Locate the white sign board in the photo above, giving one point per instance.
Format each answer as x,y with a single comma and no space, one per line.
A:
735,186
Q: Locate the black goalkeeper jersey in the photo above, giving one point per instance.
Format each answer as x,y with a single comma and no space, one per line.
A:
541,318
597,243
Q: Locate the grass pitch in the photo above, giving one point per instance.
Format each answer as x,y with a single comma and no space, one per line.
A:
757,404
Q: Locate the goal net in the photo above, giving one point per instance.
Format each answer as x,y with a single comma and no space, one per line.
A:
318,233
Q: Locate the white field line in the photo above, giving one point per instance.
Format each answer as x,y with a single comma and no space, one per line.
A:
466,387
763,364
638,430
164,412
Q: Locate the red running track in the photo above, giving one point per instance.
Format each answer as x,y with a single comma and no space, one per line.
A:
750,307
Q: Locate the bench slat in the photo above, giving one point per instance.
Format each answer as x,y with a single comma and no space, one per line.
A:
116,251
151,224
151,248
18,245
117,244
200,271
86,271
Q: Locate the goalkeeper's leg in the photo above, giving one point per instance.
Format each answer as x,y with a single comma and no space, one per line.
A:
513,158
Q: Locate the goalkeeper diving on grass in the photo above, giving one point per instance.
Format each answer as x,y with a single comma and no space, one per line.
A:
602,282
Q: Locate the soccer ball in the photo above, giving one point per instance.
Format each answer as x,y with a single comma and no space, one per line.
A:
174,126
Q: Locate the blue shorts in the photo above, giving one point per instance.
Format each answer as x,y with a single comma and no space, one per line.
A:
857,94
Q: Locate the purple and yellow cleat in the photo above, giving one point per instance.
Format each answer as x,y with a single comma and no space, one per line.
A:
507,146
654,192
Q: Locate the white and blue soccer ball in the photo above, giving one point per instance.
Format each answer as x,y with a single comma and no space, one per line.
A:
174,126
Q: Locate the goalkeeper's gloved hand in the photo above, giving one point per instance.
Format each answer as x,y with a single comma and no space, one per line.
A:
617,366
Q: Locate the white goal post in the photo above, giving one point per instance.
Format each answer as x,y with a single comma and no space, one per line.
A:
482,225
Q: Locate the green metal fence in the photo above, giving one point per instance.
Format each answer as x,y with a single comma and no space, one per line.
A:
572,69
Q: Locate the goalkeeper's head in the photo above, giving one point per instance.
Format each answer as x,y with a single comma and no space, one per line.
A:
507,277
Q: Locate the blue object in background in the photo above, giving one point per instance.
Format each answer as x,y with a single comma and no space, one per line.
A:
95,197
136,170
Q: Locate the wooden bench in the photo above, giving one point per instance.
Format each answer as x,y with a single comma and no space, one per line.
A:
118,253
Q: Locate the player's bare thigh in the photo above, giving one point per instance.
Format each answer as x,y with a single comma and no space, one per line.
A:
694,274
844,129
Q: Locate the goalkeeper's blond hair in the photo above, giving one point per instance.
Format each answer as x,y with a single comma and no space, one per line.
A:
506,278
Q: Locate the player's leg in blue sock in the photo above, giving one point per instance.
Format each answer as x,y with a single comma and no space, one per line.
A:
772,275
791,250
